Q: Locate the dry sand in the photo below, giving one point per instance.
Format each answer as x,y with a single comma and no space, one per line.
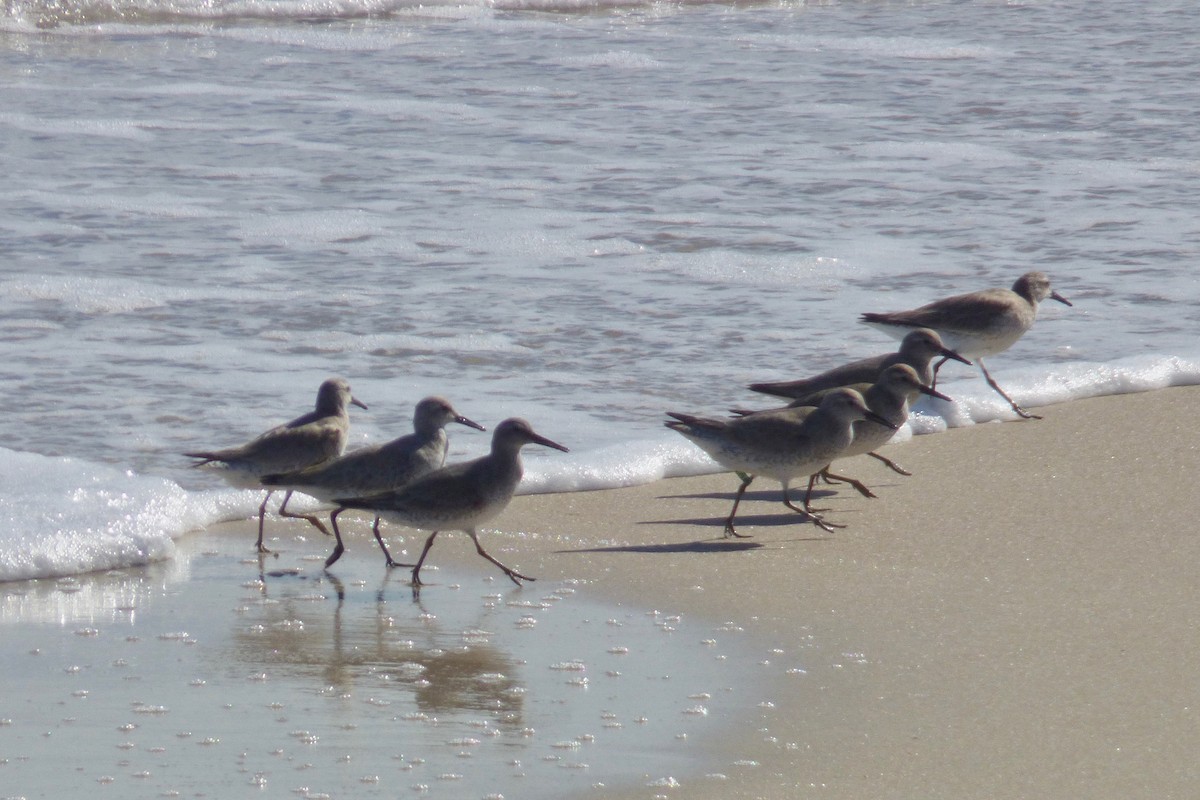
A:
1015,620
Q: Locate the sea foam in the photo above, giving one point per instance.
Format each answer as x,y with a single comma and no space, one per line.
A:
64,516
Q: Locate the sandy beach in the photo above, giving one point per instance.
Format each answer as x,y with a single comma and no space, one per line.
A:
1024,607
1015,620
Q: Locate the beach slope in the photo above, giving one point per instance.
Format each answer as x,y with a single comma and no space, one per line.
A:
1014,620
1017,619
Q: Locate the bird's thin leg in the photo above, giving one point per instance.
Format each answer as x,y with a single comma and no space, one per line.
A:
416,573
338,548
812,482
283,512
890,463
992,383
857,484
262,511
383,547
513,575
936,367
808,511
729,530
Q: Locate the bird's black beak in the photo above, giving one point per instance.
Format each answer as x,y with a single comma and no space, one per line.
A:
935,393
871,415
542,440
948,353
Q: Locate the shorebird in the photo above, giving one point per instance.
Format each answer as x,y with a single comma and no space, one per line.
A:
889,396
917,349
379,468
977,324
781,444
306,441
460,496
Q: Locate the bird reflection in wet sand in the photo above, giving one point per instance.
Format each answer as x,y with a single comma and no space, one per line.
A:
343,650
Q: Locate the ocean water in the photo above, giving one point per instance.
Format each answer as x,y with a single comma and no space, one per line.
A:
582,213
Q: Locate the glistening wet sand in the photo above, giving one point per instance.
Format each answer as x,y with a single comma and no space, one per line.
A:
220,671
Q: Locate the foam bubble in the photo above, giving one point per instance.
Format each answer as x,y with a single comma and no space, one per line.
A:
63,516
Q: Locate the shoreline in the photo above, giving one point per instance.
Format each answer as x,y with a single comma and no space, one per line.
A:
1013,620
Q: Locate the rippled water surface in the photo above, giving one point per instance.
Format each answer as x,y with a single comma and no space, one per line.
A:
216,676
582,219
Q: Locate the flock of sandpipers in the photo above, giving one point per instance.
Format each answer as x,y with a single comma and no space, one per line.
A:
850,410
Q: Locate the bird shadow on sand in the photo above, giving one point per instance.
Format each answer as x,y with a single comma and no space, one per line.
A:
765,495
699,546
784,518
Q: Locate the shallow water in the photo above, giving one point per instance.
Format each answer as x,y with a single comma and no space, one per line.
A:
211,676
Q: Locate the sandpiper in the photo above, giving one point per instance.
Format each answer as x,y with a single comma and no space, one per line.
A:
977,324
379,468
781,444
917,350
460,496
306,441
889,397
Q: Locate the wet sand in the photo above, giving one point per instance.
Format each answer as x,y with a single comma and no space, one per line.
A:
1014,620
